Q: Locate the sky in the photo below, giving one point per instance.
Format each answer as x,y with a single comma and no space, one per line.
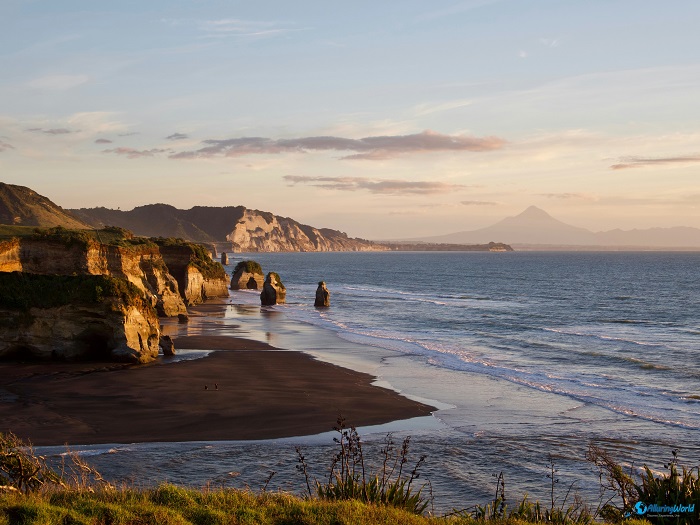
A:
389,119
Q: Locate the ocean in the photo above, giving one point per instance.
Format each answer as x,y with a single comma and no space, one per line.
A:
529,357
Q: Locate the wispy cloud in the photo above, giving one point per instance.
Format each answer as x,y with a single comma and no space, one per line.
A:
58,82
549,42
177,136
132,153
570,196
378,186
53,131
4,146
368,148
234,27
103,141
129,134
479,203
427,109
640,162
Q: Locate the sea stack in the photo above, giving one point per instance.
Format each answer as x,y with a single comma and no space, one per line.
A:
224,258
273,291
166,345
247,275
323,296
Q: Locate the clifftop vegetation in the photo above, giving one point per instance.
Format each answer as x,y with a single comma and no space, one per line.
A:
249,266
23,291
199,256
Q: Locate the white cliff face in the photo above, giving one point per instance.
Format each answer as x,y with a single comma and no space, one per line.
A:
264,232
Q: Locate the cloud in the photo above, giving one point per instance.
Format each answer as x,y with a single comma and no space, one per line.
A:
368,148
132,153
129,134
245,28
570,196
549,42
4,146
103,141
640,162
53,131
378,186
58,82
177,136
479,203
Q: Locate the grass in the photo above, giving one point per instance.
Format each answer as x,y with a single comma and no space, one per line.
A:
172,505
23,291
31,492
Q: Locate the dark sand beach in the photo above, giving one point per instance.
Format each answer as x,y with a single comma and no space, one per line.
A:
253,391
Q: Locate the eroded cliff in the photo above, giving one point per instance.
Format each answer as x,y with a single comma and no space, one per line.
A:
198,276
75,317
103,293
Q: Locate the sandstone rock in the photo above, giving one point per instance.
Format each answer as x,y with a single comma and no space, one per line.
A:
273,291
142,265
247,275
166,344
224,258
323,296
110,330
198,278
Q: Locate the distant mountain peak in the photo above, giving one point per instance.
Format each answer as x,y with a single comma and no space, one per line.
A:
534,213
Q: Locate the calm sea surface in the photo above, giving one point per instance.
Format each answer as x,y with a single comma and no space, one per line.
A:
529,357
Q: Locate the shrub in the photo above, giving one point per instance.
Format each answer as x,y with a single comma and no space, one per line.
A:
349,479
249,267
21,469
677,488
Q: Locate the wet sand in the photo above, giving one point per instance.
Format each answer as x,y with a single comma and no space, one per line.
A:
244,390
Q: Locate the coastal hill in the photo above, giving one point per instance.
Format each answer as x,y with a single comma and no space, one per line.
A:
242,229
228,228
534,228
24,207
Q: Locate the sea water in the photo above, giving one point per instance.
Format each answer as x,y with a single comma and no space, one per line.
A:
528,358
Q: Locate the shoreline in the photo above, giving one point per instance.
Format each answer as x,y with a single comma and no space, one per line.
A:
253,391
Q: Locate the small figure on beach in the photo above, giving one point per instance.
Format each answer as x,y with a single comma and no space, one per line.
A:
216,386
206,387
323,296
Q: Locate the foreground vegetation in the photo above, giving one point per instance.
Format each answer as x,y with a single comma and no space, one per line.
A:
32,491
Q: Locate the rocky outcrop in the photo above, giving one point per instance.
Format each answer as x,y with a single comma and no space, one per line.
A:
75,317
166,344
224,259
198,277
323,296
247,275
142,265
66,295
273,291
